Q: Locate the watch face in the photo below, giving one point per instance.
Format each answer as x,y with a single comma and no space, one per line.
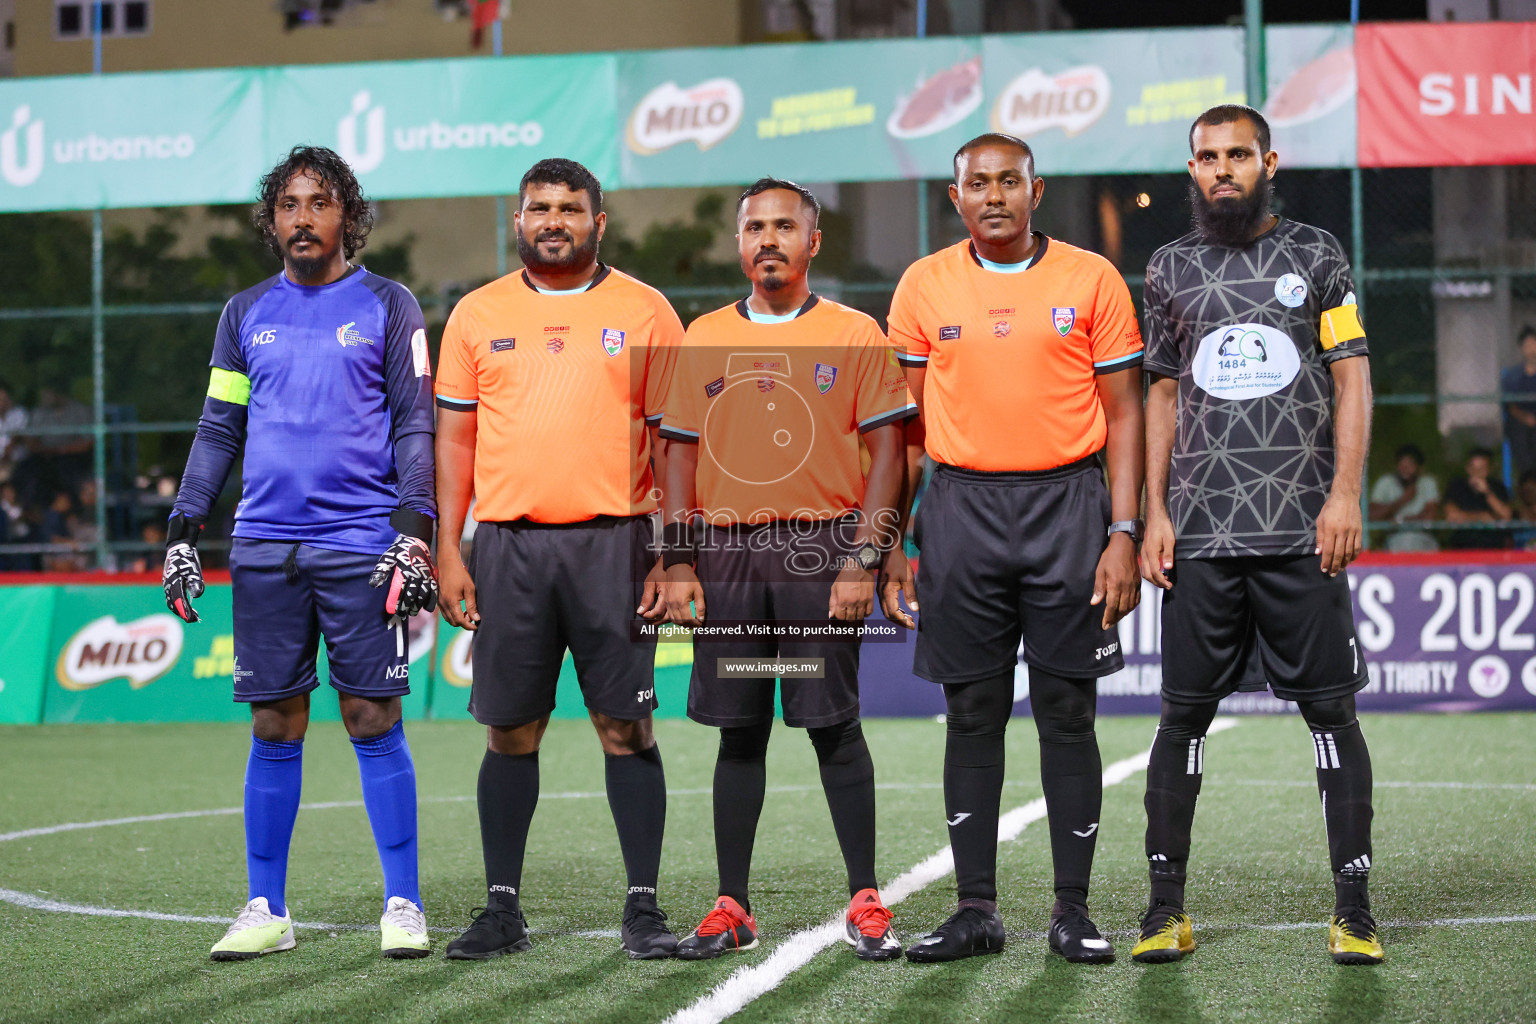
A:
868,556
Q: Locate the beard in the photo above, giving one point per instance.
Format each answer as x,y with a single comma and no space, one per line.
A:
305,266
1233,222
579,256
777,275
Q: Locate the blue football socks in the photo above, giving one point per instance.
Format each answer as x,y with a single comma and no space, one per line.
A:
273,777
389,793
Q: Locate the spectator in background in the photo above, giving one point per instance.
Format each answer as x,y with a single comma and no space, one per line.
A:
12,418
1520,417
1477,498
1404,496
56,461
1525,508
153,536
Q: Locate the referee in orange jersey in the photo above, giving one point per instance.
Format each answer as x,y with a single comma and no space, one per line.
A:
1024,356
549,389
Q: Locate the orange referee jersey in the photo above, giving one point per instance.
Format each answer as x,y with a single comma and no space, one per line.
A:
1011,358
564,386
777,409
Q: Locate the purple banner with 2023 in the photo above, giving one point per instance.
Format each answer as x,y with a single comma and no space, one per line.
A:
1437,632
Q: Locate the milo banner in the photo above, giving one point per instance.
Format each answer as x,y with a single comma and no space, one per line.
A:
117,655
825,112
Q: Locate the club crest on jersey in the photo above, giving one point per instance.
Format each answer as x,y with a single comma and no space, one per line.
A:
714,387
349,338
826,376
1002,328
1062,318
1291,290
613,341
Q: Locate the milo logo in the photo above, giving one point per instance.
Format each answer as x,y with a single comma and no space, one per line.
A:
140,651
458,668
1034,101
703,114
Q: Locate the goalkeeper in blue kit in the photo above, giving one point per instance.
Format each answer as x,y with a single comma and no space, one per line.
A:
320,374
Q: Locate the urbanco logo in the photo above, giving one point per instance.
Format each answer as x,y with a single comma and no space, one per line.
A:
11,168
369,156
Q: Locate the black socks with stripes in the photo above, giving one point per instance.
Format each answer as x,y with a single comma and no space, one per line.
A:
1344,782
1174,774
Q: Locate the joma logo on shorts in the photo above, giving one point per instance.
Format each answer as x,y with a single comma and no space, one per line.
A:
398,672
644,695
1104,652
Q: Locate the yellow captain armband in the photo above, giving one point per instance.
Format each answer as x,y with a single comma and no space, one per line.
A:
1339,325
229,386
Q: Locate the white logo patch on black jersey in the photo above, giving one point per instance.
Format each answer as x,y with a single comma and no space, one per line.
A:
1242,361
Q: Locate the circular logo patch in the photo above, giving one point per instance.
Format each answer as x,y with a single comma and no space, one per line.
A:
1243,361
1291,290
1488,676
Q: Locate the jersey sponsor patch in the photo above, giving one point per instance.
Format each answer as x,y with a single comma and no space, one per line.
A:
1002,328
613,341
1062,318
1291,290
714,387
826,376
503,344
555,344
419,358
266,337
349,337
949,333
1243,361
1340,324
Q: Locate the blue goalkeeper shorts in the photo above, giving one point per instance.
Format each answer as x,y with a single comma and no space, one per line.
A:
286,597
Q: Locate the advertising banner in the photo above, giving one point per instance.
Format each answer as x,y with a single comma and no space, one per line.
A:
1109,102
24,652
1452,636
1310,94
813,112
469,126
163,138
117,655
1446,95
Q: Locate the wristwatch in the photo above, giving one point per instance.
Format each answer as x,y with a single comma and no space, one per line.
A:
866,558
1135,527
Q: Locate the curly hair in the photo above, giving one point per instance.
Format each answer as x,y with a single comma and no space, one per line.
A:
334,175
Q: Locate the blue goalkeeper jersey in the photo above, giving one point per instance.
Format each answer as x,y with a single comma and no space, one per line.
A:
329,389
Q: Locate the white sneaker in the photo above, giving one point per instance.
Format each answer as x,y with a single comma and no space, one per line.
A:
256,931
403,930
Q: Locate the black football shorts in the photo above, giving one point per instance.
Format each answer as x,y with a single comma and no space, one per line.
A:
1299,618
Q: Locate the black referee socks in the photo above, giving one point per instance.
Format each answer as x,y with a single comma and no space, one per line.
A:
848,778
637,796
976,720
1071,776
741,779
508,793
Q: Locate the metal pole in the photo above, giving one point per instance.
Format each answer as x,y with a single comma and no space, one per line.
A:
1253,52
922,183
501,201
1357,269
98,343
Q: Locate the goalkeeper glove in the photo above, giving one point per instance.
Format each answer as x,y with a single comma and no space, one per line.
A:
183,576
407,567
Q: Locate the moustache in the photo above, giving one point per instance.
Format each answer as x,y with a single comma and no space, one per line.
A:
302,236
769,254
554,236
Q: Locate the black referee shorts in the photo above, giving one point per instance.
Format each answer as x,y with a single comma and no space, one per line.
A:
783,572
545,587
1299,618
1010,555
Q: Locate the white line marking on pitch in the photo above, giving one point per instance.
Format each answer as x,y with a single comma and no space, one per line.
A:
1379,784
748,983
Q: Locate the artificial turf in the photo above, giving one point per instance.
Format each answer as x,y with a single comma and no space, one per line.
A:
1441,851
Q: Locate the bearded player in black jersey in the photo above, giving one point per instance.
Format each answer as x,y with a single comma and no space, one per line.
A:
1258,420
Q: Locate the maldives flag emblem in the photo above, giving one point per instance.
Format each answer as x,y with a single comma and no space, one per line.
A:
1062,318
613,341
826,376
